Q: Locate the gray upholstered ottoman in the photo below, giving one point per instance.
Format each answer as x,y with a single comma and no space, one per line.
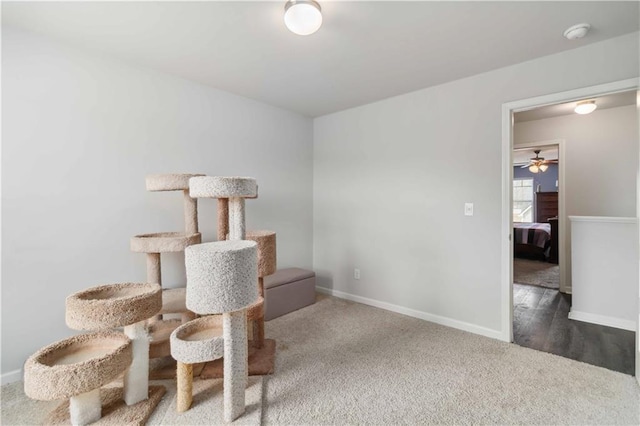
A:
288,290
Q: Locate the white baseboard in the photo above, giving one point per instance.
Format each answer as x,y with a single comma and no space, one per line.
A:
602,320
460,325
11,376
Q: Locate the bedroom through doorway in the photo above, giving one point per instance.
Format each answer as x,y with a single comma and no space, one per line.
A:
544,205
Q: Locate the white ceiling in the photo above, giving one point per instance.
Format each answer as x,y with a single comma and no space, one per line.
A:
603,102
365,51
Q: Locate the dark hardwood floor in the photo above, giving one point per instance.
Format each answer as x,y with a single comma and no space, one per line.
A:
541,322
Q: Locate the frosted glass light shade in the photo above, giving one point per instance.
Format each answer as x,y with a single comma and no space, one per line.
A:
543,167
586,107
533,168
302,17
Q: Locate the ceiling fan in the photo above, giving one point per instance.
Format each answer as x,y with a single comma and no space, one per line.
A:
538,164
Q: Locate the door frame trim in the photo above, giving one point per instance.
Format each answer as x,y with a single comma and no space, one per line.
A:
508,109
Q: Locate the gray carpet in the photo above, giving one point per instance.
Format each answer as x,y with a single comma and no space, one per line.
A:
340,362
535,272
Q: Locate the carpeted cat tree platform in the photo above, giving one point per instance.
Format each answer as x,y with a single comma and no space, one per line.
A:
77,367
224,283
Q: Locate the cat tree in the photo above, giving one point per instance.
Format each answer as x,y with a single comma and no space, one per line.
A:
127,305
197,341
79,366
168,242
221,279
262,353
76,368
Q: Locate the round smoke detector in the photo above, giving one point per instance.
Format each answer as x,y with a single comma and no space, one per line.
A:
577,31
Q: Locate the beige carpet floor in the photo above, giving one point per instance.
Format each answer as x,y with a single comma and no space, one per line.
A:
340,362
535,272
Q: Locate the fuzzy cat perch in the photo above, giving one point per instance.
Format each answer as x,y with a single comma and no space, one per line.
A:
231,191
221,279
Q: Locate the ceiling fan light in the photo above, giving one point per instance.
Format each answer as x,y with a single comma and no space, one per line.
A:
585,107
543,167
533,168
302,17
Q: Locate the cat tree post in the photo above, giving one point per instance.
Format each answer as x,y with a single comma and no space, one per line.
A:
223,218
221,279
154,270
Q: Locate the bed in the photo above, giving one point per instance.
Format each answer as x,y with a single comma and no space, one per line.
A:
532,240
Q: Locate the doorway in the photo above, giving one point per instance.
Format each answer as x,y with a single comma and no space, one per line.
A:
507,228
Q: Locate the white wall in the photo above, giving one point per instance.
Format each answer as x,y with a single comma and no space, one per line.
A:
391,179
605,271
601,162
79,134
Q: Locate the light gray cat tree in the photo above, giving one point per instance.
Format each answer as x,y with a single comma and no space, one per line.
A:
222,278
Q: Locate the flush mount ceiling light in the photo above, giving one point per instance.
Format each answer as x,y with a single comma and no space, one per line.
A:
577,31
302,17
585,107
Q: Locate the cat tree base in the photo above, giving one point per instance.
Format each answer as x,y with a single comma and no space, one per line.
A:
261,362
114,410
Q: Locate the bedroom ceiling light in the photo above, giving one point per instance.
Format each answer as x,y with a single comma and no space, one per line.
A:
533,168
585,107
302,17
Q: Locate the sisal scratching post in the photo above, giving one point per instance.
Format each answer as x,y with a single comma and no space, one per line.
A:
184,378
75,369
221,279
126,305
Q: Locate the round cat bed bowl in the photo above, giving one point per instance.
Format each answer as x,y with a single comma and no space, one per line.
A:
164,242
199,340
169,182
76,365
256,311
160,333
223,187
113,305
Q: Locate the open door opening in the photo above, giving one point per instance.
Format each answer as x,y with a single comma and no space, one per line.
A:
548,306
